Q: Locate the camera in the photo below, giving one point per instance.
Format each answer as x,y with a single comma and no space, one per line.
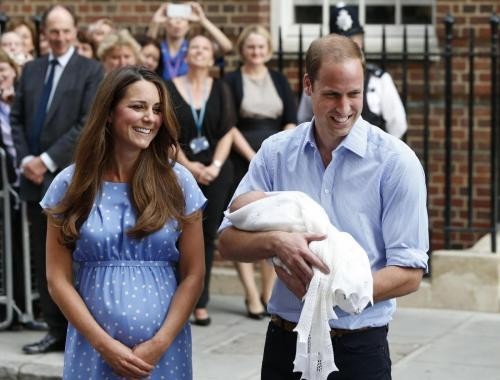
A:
179,10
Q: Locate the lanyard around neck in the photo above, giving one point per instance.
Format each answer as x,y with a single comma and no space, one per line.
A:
198,119
173,64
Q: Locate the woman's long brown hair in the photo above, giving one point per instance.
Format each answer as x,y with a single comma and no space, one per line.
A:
155,192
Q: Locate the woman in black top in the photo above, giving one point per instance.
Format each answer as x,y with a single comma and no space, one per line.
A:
265,105
203,107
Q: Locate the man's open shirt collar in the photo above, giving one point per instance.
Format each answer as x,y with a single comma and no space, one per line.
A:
356,141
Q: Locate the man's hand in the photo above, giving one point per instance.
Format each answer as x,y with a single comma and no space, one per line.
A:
34,170
296,286
293,251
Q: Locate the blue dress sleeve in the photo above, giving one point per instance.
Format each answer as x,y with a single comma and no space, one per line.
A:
57,188
194,198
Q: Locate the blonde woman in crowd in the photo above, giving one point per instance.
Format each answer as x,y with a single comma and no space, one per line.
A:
12,44
9,72
99,29
118,49
176,20
26,30
265,105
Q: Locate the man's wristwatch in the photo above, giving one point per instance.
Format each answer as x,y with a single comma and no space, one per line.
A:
217,164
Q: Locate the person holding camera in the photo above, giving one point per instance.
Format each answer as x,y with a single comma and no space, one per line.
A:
176,19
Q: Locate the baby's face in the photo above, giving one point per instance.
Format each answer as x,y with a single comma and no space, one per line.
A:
246,198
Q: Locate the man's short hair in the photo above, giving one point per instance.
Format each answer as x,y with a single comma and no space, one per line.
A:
332,47
45,15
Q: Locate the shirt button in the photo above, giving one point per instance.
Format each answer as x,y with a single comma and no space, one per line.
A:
327,191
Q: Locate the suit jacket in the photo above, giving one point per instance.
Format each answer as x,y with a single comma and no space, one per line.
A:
65,117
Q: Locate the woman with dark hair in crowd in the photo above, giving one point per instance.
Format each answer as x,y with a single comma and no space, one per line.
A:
86,45
203,107
129,218
150,56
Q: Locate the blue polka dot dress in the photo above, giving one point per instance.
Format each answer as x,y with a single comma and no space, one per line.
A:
127,284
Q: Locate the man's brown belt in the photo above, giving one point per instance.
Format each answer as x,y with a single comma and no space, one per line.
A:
289,326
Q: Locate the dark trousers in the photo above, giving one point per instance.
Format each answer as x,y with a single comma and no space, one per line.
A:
217,198
38,234
359,356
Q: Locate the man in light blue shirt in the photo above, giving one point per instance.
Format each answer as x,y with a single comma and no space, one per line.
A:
370,184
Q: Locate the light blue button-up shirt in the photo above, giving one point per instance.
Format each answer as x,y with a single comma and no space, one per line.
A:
373,188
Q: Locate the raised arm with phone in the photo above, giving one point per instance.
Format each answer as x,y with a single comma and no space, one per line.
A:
176,18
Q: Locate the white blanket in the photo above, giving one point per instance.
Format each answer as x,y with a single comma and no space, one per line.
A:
349,284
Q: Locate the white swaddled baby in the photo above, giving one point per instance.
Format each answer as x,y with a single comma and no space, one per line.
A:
349,285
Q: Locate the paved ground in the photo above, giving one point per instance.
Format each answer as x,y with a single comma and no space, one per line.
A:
425,345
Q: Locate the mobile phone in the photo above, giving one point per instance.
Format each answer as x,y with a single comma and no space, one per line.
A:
179,10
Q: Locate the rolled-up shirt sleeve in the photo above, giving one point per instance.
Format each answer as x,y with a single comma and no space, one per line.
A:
257,178
404,216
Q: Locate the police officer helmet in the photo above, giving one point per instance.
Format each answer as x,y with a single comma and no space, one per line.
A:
344,20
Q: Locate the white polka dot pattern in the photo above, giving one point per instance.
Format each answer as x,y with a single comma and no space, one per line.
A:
127,284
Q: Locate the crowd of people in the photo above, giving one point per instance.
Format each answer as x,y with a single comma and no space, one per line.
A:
127,150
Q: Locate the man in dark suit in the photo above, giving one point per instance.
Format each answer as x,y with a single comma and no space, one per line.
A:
52,100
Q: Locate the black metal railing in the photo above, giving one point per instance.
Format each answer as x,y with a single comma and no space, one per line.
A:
425,61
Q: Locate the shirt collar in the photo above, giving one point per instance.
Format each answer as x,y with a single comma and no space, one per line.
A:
356,141
63,59
309,140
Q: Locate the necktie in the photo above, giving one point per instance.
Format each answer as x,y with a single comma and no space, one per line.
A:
41,111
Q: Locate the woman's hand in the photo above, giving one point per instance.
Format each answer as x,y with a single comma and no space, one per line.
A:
149,351
197,13
124,361
160,16
7,94
209,174
196,168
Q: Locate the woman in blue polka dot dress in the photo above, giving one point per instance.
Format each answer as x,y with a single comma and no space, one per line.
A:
124,239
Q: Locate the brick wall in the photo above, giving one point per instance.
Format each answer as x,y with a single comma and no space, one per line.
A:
468,14
232,15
